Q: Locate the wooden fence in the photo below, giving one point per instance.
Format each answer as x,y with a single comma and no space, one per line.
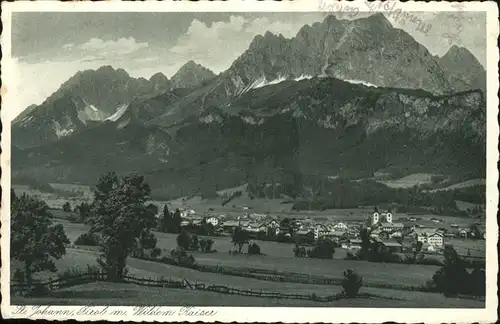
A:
85,278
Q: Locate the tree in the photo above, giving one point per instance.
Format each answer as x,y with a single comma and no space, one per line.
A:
83,211
87,239
253,249
165,224
66,207
364,235
184,240
323,249
206,245
475,232
194,244
147,241
239,237
451,277
122,218
417,250
176,221
207,228
35,242
351,283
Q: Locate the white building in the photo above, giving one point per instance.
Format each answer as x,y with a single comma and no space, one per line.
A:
381,217
340,227
212,220
436,239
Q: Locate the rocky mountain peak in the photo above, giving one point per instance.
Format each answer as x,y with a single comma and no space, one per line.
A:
463,69
191,75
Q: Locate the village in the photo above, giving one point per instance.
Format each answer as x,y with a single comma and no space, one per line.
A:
392,233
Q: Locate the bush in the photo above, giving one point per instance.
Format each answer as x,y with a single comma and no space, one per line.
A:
155,253
299,251
206,245
351,283
453,278
77,271
323,250
194,245
181,258
38,290
253,249
66,207
87,239
184,240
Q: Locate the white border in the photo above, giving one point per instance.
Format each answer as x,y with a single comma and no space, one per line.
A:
275,314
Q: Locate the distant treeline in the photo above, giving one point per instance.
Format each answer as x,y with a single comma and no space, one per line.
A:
341,193
44,186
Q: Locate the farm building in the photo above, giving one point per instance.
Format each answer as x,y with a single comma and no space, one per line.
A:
185,223
393,247
436,239
391,227
465,232
340,227
229,225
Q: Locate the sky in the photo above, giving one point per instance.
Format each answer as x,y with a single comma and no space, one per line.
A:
50,47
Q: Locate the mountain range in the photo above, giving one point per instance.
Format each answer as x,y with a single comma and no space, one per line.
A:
340,98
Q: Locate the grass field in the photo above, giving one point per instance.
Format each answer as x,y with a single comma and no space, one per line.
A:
409,180
113,294
279,256
464,184
54,199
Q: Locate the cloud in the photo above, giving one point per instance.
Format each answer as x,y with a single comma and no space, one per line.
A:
68,46
218,45
121,46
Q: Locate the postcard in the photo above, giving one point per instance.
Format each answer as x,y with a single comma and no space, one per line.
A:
250,161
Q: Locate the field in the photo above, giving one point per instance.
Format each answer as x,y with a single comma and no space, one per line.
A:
464,184
279,257
129,295
121,294
409,180
74,194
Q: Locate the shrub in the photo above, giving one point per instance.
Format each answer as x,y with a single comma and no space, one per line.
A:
299,251
452,278
66,207
155,253
351,283
206,245
38,290
87,239
184,240
253,249
181,258
194,245
322,250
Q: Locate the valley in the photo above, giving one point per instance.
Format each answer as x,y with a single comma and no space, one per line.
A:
344,158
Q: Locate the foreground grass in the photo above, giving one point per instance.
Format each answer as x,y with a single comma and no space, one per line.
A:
113,294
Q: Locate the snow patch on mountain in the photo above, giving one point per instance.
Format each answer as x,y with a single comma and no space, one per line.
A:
252,121
25,121
210,118
368,84
61,131
303,77
118,114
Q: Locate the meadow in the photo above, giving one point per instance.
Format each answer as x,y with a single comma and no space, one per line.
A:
115,294
276,257
128,294
279,257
